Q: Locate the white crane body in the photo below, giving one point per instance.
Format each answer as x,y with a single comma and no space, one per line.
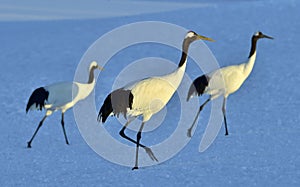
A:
146,97
60,96
224,81
152,94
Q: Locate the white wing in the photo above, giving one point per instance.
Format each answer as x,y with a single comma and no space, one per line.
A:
61,93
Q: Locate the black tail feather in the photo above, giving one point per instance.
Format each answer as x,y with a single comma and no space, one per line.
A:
198,86
38,97
116,102
106,109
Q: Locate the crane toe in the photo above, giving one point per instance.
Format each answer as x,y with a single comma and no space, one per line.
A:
189,132
28,144
150,153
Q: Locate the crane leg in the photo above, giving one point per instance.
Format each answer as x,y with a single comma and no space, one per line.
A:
224,114
189,132
37,129
147,149
138,138
63,126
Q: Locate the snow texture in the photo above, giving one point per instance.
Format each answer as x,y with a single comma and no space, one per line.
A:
40,46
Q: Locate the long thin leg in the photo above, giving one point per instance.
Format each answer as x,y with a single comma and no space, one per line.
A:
123,135
147,149
224,114
189,132
138,138
37,129
63,126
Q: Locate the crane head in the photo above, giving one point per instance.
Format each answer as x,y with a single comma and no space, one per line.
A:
259,35
94,65
193,36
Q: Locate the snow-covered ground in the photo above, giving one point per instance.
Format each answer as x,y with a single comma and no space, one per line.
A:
262,148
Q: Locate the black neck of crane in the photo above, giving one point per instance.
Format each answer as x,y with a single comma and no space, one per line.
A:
185,48
253,45
183,59
91,75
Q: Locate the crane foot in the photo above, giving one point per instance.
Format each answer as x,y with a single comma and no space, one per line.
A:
28,144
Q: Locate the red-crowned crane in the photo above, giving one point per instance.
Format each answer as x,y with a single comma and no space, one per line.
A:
60,96
224,81
146,97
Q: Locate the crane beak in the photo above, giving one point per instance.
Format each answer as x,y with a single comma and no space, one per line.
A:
266,36
100,68
205,38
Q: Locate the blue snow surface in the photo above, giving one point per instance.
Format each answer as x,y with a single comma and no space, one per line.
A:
43,43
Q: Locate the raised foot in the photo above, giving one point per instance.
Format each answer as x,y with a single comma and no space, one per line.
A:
28,144
189,132
67,143
150,153
135,167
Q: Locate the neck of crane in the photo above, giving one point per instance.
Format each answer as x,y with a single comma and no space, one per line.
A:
183,59
251,59
249,65
185,48
91,75
253,46
175,77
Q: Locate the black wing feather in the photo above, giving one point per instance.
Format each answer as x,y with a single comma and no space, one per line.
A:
117,103
38,97
198,86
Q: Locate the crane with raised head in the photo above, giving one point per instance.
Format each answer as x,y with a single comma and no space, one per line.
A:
224,81
60,96
146,97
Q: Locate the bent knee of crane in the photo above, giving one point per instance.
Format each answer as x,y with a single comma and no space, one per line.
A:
49,112
122,133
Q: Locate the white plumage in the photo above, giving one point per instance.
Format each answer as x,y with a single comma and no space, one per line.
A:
224,81
147,96
60,96
152,94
